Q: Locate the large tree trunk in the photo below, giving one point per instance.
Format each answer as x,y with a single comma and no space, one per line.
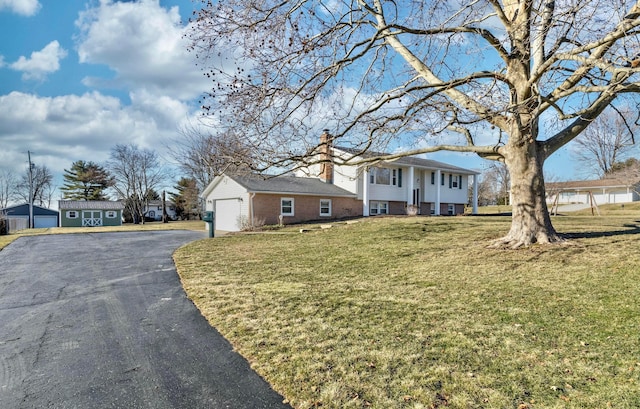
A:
530,222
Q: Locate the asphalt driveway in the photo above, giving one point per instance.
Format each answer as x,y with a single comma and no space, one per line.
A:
100,320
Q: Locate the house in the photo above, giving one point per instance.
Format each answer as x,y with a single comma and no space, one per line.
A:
81,213
153,210
330,190
598,192
18,217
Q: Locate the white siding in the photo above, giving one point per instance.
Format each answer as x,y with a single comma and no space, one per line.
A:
447,194
346,177
233,204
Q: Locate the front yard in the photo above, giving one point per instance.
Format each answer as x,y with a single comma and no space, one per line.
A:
417,313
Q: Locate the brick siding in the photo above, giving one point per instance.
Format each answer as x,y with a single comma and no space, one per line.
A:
305,208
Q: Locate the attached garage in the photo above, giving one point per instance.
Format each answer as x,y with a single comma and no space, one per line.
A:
228,214
240,201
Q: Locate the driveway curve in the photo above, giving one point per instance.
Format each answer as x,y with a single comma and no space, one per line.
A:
100,320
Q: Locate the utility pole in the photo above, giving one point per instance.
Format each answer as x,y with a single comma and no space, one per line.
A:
30,191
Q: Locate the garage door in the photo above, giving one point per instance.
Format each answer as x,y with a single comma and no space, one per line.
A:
228,214
41,222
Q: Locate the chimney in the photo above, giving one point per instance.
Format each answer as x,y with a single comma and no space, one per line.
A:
326,156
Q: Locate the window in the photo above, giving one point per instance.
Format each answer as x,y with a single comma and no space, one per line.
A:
382,176
72,214
325,207
442,179
376,207
111,214
451,209
286,206
455,181
433,178
385,176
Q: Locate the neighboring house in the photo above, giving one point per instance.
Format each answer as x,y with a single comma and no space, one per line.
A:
601,191
332,191
80,213
153,210
18,217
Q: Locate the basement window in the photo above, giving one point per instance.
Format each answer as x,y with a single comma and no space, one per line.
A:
376,208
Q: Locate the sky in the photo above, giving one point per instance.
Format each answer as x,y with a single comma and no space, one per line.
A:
78,77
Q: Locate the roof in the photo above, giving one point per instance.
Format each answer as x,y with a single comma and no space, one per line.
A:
285,184
23,210
410,161
589,184
90,205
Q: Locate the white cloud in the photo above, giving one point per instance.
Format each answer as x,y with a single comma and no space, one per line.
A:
22,7
41,62
61,130
143,43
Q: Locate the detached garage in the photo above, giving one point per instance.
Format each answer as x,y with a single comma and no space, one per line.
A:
18,217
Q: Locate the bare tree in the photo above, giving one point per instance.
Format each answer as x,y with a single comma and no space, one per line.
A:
417,72
607,141
41,186
202,155
137,174
8,184
494,185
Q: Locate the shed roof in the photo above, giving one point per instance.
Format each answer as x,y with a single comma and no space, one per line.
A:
90,205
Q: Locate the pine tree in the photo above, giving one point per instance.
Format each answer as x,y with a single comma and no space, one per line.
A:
186,199
85,181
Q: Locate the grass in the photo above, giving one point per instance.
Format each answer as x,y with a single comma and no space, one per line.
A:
179,225
418,313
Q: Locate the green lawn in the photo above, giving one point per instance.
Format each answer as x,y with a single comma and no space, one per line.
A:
418,313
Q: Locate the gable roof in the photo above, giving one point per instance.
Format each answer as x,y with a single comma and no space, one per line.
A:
589,184
413,161
23,210
282,185
90,205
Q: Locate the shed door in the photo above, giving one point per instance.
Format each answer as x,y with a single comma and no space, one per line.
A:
40,222
228,214
91,218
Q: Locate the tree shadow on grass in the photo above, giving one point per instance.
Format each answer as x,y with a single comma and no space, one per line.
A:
632,229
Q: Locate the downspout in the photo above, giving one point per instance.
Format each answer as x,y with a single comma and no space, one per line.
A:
251,196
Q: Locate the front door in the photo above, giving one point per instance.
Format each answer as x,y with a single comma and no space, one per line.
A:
416,198
91,218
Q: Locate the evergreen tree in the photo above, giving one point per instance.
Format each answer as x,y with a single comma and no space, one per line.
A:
186,199
85,181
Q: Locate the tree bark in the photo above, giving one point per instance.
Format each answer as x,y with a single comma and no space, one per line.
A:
531,222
